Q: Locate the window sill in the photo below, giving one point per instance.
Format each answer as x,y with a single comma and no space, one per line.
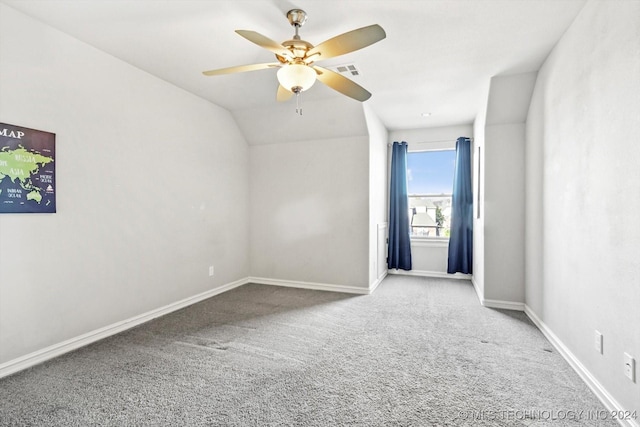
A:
432,242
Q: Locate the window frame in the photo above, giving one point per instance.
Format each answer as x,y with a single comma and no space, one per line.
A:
431,241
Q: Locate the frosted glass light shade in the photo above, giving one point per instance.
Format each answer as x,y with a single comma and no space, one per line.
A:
296,75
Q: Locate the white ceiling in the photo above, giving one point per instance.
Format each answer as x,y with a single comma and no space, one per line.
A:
438,57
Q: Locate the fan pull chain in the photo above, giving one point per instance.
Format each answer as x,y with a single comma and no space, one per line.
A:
298,107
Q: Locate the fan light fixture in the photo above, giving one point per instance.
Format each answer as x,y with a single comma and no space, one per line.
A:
296,77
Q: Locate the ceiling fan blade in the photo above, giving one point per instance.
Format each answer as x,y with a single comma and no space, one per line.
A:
342,84
348,42
283,94
265,42
241,69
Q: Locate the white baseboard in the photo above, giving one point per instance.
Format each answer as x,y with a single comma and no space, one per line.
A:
310,285
479,293
495,303
605,397
427,273
504,305
374,285
59,349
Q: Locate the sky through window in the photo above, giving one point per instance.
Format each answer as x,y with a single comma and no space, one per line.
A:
431,172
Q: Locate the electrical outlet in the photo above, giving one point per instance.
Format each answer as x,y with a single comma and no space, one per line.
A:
211,270
597,342
629,367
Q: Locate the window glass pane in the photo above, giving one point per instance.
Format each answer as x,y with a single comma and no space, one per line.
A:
430,184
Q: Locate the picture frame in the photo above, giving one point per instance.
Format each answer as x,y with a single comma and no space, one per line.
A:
27,170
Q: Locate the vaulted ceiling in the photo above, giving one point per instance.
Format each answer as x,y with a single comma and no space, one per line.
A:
438,56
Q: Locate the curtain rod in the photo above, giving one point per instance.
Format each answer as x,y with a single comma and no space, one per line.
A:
433,142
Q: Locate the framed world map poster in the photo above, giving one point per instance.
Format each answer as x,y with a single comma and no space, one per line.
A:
27,170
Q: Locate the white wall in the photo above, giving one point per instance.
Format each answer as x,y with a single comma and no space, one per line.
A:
378,195
583,192
534,198
503,200
310,211
340,117
509,98
501,226
478,195
430,256
152,188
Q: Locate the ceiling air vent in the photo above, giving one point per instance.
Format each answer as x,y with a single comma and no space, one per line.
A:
348,69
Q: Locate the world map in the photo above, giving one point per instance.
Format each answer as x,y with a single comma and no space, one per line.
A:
27,174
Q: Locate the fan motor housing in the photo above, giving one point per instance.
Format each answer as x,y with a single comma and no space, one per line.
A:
299,48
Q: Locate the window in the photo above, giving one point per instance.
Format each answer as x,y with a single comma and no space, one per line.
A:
430,185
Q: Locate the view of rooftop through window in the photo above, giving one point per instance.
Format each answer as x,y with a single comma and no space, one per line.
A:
430,184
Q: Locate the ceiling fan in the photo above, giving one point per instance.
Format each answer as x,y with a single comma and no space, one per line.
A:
296,58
